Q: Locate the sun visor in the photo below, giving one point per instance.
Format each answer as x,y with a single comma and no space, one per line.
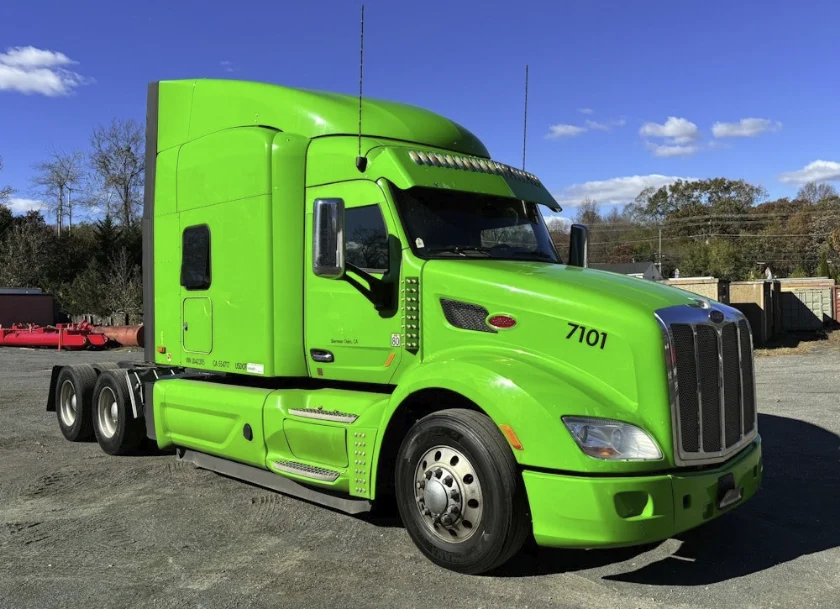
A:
407,167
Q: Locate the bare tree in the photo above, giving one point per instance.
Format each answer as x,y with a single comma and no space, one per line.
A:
24,255
123,293
814,192
56,180
117,160
7,191
587,212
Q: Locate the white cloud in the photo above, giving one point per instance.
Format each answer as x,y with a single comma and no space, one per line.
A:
554,221
818,171
21,206
615,191
558,131
586,110
30,70
746,127
669,150
680,130
608,126
677,135
227,66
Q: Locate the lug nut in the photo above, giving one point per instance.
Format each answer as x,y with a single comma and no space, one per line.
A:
428,475
438,474
421,484
455,495
454,510
448,481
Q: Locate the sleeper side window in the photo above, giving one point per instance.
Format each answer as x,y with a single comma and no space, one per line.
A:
366,238
195,258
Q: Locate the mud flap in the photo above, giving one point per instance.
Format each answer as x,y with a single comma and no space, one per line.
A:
51,396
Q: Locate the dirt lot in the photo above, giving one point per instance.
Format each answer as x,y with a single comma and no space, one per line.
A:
81,529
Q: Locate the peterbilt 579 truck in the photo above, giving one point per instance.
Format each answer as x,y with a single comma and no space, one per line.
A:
354,315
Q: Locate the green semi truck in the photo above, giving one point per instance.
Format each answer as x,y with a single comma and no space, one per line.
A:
353,303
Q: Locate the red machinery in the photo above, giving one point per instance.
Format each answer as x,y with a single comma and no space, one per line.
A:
63,336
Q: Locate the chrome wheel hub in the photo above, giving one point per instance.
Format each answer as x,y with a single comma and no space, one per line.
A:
107,412
448,494
67,404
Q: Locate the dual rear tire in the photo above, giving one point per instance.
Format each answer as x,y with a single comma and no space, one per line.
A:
90,406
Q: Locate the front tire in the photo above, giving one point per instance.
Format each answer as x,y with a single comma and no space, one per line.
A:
459,492
73,391
116,429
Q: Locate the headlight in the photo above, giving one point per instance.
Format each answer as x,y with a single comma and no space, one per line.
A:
615,440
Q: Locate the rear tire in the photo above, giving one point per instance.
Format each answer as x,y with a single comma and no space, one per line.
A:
459,492
116,429
73,398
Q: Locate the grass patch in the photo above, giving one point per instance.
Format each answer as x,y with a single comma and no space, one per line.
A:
800,343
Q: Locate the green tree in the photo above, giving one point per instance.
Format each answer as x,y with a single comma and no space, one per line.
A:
822,268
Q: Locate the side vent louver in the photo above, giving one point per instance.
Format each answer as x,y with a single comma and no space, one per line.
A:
466,316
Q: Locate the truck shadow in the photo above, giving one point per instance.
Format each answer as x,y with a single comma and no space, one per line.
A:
794,514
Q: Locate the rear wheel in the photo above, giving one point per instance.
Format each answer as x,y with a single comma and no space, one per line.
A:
459,492
116,429
73,391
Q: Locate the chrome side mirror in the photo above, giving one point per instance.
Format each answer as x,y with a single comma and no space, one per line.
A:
579,246
328,246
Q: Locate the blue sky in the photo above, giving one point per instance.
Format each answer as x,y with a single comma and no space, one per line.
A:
622,94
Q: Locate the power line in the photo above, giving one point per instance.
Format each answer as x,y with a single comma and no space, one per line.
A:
707,236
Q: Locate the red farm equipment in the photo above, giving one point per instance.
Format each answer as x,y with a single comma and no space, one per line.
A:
72,337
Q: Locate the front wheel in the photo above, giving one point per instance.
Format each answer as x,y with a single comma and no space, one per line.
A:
459,492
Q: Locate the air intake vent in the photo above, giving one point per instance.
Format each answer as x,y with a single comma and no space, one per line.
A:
466,316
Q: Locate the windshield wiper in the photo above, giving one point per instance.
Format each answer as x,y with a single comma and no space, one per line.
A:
460,249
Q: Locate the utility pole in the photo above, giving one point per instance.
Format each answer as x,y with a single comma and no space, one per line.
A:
659,255
59,212
69,210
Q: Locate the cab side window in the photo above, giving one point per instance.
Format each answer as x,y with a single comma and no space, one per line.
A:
195,258
366,238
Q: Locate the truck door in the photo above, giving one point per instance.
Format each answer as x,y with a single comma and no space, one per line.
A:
196,278
352,332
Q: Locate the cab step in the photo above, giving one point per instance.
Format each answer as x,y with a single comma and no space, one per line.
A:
307,471
270,480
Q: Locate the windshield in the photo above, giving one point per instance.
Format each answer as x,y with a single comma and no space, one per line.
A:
452,224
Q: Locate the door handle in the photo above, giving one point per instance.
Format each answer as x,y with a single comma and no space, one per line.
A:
321,355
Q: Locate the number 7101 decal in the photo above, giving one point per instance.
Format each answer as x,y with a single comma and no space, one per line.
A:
592,336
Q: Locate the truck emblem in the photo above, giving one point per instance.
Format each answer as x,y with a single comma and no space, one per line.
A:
716,317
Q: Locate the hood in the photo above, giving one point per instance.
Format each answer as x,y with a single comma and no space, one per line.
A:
595,329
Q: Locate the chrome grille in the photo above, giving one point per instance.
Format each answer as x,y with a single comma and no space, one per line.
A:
711,382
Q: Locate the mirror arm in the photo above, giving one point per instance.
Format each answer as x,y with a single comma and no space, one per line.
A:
379,292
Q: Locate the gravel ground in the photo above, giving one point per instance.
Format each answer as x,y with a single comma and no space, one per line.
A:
81,529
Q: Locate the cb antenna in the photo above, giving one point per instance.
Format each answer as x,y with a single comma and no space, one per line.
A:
525,126
361,162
